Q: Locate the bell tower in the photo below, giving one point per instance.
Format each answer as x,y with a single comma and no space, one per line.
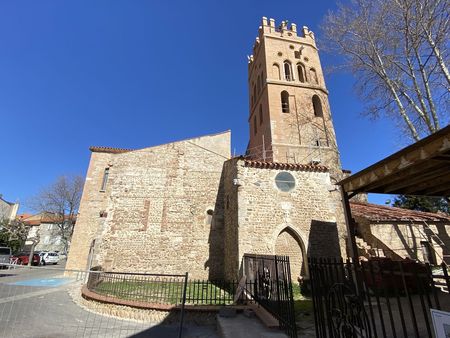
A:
290,118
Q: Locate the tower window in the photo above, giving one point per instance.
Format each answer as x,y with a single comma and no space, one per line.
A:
262,80
255,127
317,106
105,179
276,71
259,84
301,72
288,71
313,74
285,101
260,115
254,91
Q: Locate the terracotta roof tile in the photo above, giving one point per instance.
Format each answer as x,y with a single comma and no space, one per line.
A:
110,150
23,216
378,213
284,166
44,218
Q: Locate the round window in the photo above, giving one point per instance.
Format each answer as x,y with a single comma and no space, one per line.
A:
285,181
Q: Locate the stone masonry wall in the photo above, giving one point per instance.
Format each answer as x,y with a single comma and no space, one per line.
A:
312,211
231,224
163,210
403,238
93,201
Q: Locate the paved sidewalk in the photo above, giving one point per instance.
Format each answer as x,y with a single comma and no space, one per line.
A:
36,303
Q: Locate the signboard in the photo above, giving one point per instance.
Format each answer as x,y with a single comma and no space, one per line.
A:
441,323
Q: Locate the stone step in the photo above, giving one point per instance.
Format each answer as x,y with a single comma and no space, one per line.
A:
242,326
365,249
266,318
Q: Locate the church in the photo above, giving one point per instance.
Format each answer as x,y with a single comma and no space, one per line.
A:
189,206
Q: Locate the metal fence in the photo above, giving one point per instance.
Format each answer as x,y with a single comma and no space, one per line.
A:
376,298
47,302
163,289
154,288
215,292
271,287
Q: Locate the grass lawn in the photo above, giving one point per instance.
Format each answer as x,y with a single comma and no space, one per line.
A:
201,293
166,292
303,306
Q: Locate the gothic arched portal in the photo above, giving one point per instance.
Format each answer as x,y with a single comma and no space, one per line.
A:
288,243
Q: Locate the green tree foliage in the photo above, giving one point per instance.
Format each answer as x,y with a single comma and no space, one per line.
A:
422,203
13,234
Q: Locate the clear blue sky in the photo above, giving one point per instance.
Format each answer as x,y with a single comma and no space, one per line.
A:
134,74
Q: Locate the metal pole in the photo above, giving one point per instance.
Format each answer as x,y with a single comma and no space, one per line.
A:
350,226
353,248
182,306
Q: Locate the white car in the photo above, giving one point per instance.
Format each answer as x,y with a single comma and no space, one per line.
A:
5,255
49,257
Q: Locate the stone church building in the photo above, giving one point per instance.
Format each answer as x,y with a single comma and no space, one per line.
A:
190,206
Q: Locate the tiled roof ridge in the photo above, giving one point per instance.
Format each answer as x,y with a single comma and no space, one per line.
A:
283,166
398,213
114,150
111,150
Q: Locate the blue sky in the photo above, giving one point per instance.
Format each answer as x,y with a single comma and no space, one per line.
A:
134,74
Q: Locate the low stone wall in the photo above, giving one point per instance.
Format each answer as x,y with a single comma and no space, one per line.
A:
143,311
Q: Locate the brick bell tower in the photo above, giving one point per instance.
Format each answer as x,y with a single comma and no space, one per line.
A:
290,118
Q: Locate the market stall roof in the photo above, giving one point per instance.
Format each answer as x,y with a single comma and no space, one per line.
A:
422,168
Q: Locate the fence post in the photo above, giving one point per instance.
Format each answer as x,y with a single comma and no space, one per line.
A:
445,272
182,306
278,285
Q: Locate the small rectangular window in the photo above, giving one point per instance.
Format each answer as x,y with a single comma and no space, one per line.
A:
105,179
260,115
255,128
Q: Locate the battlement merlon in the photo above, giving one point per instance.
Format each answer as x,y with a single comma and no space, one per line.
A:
284,30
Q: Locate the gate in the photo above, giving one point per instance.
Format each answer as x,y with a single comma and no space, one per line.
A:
271,286
377,298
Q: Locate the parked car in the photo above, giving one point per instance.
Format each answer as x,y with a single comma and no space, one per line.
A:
23,257
5,255
49,257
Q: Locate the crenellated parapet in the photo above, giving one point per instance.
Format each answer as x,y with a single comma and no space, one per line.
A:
283,30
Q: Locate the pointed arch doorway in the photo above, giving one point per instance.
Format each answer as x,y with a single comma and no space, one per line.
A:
289,243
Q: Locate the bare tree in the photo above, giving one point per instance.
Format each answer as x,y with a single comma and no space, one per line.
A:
34,239
398,52
60,202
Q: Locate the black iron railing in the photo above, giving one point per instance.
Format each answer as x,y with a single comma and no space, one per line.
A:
215,292
142,287
375,298
271,286
162,289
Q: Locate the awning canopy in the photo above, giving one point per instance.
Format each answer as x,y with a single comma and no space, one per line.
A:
422,168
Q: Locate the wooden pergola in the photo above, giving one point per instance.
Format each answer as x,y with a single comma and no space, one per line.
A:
422,169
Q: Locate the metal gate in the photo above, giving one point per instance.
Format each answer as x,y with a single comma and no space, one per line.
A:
376,298
271,287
